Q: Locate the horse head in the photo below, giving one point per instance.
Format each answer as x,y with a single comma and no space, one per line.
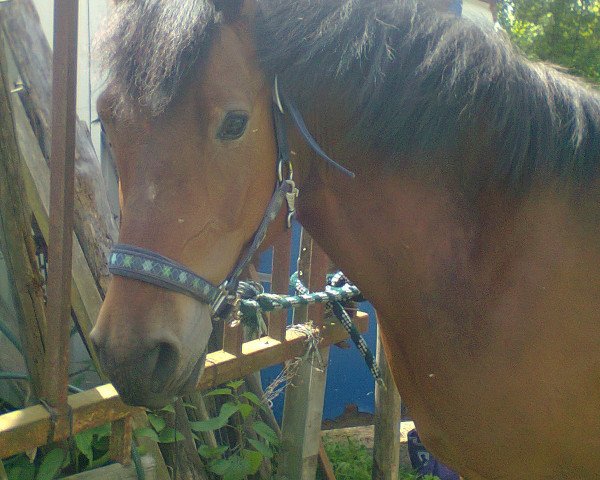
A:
196,175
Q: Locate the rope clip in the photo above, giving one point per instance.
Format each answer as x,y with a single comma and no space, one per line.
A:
290,198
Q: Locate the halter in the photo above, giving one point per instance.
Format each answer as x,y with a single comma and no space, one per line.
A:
147,266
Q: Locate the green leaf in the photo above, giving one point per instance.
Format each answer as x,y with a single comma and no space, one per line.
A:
218,391
266,432
245,410
51,464
208,425
20,468
158,423
83,441
189,405
170,435
253,398
232,468
235,384
227,410
264,449
145,432
168,408
211,452
254,459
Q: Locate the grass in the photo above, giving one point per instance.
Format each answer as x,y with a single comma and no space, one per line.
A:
353,461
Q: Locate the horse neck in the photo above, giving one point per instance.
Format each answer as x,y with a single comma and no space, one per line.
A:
375,225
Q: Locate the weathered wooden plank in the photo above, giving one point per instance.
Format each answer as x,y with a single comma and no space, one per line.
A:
233,338
325,463
182,456
94,223
305,392
265,351
16,239
280,279
62,174
119,472
29,428
120,440
386,449
85,297
319,268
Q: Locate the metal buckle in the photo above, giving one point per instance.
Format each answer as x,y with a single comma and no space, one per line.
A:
218,303
290,198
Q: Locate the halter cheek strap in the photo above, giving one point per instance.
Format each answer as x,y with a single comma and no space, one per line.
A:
147,266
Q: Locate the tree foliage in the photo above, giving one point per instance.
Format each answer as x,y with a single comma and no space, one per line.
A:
563,32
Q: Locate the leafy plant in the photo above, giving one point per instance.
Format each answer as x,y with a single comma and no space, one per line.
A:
352,460
233,462
238,461
158,430
90,450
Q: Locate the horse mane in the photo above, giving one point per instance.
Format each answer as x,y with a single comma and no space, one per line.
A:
416,78
419,79
147,47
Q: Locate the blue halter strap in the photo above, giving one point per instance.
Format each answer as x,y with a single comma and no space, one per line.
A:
147,266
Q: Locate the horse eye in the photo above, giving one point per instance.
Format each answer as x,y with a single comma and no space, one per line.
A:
233,126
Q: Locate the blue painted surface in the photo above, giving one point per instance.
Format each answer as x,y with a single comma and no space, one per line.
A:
348,378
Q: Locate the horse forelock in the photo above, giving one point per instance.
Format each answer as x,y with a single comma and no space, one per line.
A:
147,47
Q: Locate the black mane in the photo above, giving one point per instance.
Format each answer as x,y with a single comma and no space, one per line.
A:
418,78
415,78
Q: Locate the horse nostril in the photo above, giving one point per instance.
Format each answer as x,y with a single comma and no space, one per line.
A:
166,364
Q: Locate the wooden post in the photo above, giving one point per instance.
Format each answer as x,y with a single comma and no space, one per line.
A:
303,406
120,441
280,280
16,240
62,169
386,443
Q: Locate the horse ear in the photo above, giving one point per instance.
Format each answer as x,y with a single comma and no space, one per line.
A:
233,9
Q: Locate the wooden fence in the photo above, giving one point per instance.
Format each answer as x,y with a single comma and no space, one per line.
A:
77,277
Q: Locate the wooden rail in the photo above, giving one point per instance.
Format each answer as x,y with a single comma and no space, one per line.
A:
29,428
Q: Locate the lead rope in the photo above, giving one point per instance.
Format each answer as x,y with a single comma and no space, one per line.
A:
254,302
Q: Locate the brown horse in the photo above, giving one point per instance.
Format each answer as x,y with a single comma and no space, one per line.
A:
473,222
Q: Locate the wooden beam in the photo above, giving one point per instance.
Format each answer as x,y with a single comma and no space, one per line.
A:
325,463
28,428
305,392
85,296
119,472
120,440
62,175
16,240
280,280
386,444
266,351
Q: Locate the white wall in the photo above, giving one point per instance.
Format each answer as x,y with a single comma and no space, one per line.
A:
86,81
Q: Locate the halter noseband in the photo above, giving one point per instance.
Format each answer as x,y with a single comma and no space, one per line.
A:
147,266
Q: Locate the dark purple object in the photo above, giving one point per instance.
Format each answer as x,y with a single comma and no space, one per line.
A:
424,463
